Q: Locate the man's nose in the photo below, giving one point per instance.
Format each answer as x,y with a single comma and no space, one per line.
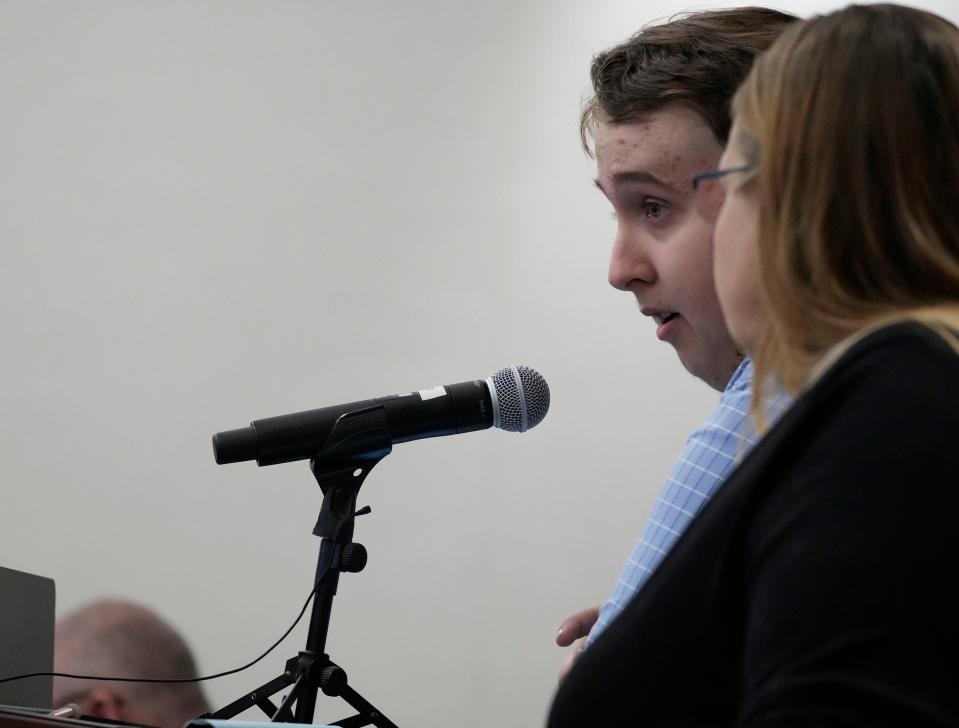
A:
629,264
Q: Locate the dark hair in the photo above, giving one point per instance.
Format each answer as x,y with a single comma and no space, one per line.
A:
697,60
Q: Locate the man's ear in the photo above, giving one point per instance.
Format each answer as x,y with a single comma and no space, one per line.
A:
102,702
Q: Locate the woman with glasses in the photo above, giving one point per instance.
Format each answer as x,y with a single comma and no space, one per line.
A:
818,587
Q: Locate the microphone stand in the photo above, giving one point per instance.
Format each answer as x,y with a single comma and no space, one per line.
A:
358,441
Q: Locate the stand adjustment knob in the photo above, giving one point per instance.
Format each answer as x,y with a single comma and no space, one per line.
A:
353,557
332,680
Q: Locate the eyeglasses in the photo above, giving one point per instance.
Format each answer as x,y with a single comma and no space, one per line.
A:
709,193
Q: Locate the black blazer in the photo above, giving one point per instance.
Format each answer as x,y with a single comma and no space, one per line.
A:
819,586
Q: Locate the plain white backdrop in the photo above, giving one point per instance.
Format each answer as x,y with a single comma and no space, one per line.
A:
216,211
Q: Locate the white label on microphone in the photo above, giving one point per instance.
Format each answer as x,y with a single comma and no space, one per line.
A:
432,393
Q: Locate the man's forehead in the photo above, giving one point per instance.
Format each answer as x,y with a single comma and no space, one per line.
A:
678,118
670,145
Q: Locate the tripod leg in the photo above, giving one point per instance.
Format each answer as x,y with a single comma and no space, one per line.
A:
283,714
258,696
267,706
355,721
365,709
305,705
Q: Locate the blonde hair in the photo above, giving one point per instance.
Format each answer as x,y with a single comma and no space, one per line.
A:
853,121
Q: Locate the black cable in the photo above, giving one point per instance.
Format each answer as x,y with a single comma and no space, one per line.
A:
191,679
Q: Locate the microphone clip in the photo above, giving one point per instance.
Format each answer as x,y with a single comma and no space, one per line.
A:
358,441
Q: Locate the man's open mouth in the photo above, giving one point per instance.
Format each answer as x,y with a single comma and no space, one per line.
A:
661,318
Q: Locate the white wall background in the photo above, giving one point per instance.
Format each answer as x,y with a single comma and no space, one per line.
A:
218,211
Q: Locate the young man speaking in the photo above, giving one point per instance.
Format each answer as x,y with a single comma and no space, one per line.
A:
659,115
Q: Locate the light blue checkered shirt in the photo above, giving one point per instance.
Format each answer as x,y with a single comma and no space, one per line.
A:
710,455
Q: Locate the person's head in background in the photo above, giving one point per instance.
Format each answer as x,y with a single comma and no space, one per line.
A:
847,215
659,114
117,638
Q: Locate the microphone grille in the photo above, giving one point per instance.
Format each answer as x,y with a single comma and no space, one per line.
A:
520,398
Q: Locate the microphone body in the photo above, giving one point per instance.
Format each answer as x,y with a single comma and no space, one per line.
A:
503,401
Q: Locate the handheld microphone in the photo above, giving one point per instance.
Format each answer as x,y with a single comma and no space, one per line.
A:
514,399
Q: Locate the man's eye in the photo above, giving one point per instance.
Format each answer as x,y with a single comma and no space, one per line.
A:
654,210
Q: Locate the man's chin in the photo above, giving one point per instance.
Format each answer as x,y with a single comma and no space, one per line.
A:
713,371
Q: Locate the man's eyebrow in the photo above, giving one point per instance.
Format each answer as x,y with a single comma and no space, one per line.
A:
638,176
